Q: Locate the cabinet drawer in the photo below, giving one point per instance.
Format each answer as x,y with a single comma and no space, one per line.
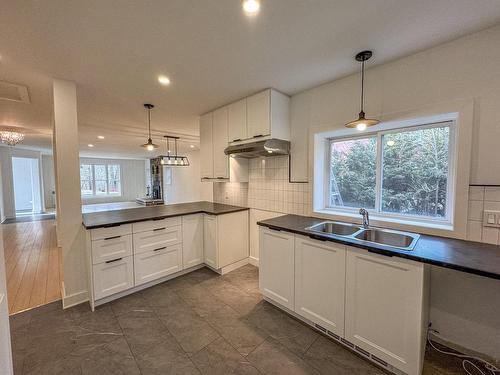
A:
152,265
157,238
118,230
110,248
143,226
113,276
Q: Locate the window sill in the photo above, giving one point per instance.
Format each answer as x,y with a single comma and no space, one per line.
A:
390,222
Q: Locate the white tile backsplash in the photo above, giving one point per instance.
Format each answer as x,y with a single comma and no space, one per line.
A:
482,198
268,189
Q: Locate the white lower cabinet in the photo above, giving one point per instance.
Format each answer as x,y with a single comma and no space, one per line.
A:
320,282
385,310
153,264
192,240
226,239
156,238
277,266
113,276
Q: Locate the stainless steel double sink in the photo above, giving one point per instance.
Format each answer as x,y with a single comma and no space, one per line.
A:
386,237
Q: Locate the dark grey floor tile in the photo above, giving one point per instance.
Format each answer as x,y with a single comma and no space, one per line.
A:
331,358
220,358
20,320
201,275
243,336
273,358
110,359
48,308
58,366
192,332
200,300
245,278
165,358
295,335
160,295
239,300
130,303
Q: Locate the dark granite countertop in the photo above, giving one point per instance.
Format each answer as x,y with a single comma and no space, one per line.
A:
467,256
130,215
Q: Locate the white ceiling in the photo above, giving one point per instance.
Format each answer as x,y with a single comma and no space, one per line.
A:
213,53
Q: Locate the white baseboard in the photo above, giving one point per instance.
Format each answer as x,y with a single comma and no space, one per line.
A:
74,298
234,266
253,261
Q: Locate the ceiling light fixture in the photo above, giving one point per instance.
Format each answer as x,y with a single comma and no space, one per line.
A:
362,122
150,146
164,80
251,7
192,146
10,137
173,160
100,136
90,145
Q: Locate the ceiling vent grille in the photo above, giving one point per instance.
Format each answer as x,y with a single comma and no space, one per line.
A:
13,92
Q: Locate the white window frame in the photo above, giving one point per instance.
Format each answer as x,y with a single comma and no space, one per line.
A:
93,181
321,197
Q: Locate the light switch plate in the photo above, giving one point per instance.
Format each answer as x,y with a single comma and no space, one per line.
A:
491,218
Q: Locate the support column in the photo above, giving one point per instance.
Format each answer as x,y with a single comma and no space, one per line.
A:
71,235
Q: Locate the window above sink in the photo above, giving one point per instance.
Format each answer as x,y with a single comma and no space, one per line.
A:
400,172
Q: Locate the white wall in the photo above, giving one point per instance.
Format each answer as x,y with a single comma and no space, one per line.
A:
8,209
466,70
186,183
133,174
49,182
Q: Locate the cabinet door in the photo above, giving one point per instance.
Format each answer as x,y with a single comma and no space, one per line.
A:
221,160
320,282
237,120
206,146
210,241
113,276
259,114
192,240
384,308
232,244
276,272
154,264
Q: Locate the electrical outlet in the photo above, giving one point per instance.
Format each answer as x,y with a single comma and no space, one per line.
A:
491,218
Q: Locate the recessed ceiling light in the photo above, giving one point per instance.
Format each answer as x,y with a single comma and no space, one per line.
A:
90,145
251,7
164,80
192,146
100,136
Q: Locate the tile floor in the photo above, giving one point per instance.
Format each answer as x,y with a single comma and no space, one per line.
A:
200,323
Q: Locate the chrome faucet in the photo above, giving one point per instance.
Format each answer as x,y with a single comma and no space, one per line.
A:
366,218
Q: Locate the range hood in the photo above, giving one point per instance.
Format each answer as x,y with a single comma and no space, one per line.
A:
270,147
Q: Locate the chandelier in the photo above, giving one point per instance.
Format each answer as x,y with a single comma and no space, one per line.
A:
173,160
11,138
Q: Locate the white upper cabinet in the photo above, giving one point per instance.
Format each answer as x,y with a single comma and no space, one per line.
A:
237,120
259,115
320,282
206,146
220,142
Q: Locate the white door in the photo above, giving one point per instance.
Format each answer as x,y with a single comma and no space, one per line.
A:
384,311
259,114
320,282
192,240
237,120
277,270
210,241
161,262
221,160
206,146
5,348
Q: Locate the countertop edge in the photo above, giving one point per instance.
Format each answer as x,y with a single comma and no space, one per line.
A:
386,252
159,217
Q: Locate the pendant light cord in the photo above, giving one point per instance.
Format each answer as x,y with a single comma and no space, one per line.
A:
149,122
362,84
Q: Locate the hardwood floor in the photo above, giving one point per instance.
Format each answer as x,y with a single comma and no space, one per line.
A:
32,264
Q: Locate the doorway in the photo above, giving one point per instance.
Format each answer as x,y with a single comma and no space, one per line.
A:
27,186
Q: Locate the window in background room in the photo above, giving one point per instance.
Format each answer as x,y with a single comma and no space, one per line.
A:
100,179
403,172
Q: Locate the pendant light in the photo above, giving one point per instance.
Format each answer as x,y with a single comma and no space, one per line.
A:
362,122
11,137
150,146
173,160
